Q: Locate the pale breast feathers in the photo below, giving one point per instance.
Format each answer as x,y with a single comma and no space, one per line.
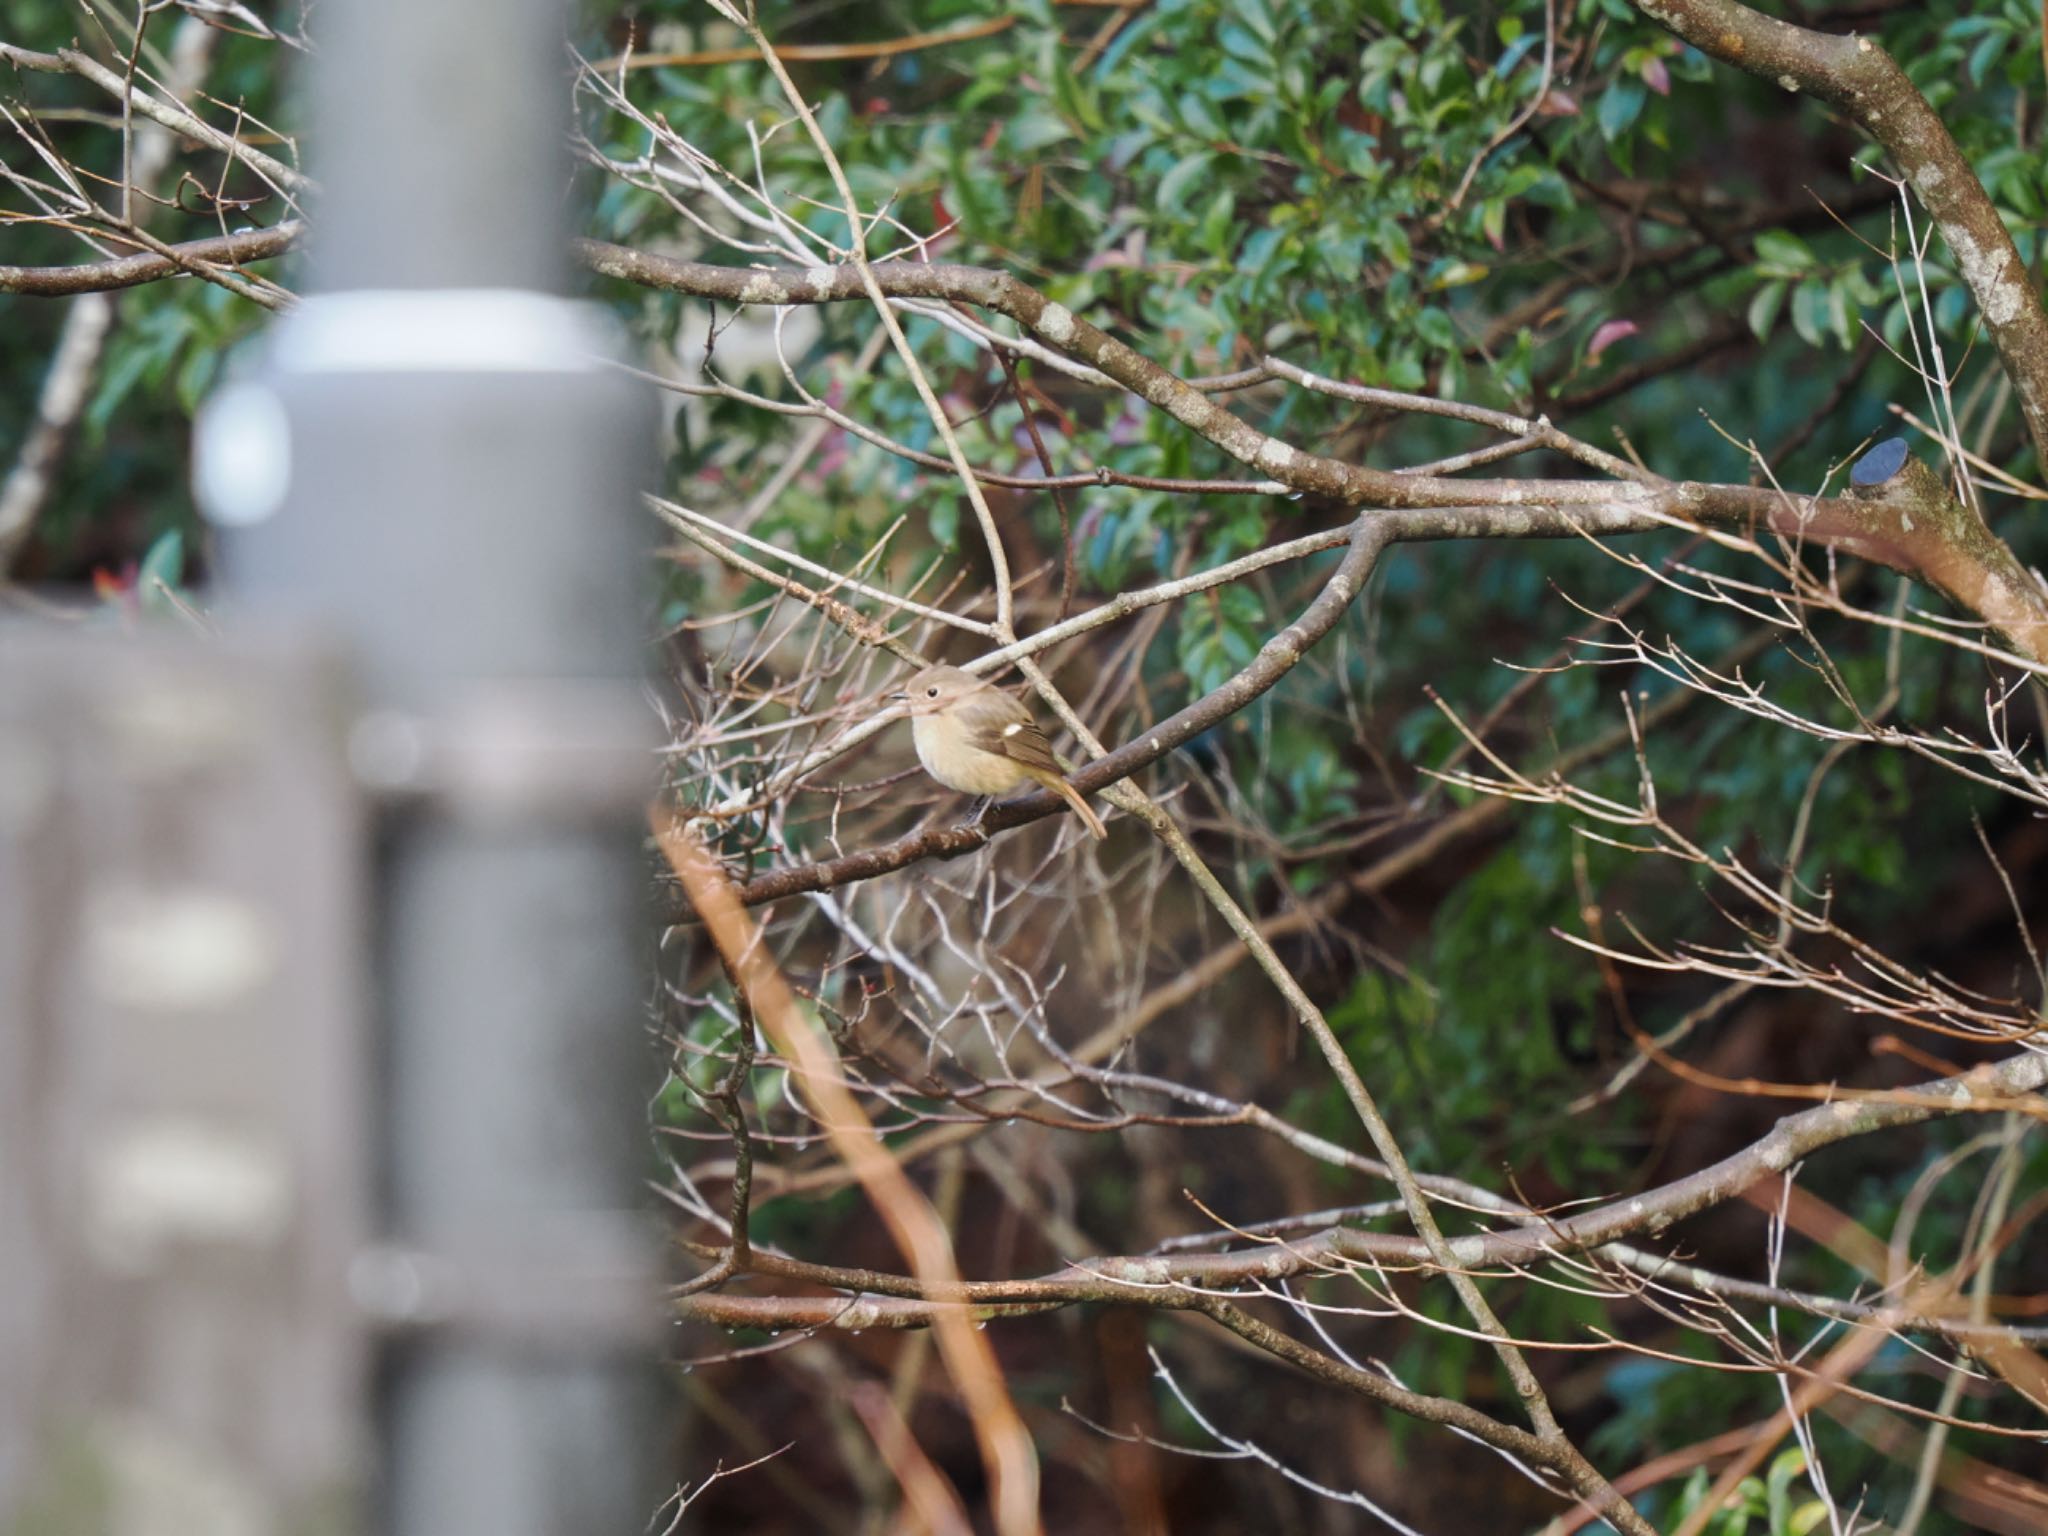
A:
958,755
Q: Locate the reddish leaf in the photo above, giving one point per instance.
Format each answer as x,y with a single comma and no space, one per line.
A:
1608,334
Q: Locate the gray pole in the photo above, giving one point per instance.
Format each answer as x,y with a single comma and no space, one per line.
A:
435,466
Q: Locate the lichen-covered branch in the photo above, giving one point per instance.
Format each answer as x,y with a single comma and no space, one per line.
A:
1485,508
1857,77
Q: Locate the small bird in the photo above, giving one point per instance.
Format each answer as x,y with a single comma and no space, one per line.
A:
973,737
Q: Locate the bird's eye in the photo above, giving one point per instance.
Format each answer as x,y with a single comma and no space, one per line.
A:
932,692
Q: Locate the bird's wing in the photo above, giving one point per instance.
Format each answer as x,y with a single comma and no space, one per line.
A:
999,724
1025,743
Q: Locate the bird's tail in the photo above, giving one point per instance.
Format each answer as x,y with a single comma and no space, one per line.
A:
1079,802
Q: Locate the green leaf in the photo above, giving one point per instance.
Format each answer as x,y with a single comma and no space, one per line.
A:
1434,326
1242,44
1620,104
1782,252
1457,274
1391,241
1984,55
1784,1468
122,373
1764,306
1035,127
1839,320
196,375
161,570
1218,636
1810,311
1176,183
1201,118
1493,221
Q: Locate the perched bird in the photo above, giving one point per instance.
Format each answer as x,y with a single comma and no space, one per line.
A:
973,737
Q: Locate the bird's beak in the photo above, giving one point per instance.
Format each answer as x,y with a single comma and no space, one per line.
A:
901,695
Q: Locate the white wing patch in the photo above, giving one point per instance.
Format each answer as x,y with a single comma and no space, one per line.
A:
1013,727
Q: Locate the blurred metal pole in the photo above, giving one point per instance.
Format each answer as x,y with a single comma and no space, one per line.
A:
435,464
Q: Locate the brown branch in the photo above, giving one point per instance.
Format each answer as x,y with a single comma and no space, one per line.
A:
174,117
1484,508
1545,1450
1792,1138
1977,570
870,1312
1165,1280
1005,1443
1836,1368
1276,658
1857,77
82,338
809,53
926,1492
150,266
1309,473
1659,1469
1304,915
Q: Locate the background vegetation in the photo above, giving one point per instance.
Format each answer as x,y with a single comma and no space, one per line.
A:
1549,208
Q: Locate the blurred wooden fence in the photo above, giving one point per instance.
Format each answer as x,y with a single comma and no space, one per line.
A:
182,1175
